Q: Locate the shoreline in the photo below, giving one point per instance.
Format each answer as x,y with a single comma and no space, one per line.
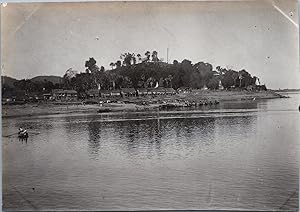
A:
135,103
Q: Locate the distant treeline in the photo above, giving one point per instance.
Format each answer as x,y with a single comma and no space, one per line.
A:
135,71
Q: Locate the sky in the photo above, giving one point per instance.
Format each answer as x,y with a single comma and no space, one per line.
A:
49,38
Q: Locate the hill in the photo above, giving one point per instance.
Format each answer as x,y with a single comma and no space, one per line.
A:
53,79
8,81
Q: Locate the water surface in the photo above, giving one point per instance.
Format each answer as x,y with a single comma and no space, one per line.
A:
231,156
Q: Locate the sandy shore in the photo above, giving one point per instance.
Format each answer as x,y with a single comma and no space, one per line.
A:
133,103
222,95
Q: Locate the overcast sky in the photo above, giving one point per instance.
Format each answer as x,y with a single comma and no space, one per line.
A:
49,38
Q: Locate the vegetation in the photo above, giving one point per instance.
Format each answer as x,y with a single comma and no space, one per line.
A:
134,71
137,72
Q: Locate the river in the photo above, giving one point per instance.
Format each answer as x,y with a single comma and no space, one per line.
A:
242,155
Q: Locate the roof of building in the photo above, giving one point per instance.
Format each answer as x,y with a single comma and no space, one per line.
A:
159,89
128,90
93,91
35,93
115,91
60,91
56,90
170,90
143,90
70,91
105,91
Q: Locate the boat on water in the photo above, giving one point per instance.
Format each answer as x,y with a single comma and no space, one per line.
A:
104,110
22,134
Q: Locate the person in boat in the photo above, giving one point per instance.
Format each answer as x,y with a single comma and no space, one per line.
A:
22,132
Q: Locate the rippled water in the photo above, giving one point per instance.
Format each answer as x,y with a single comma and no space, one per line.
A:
241,156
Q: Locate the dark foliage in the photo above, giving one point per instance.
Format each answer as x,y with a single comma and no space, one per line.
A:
137,72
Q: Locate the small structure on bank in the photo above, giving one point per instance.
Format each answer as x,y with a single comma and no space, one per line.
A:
156,91
143,92
115,93
60,94
128,92
105,93
184,90
170,91
93,93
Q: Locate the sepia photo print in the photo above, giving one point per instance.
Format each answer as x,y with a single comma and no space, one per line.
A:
116,106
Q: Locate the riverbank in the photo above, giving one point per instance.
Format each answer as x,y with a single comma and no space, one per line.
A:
197,97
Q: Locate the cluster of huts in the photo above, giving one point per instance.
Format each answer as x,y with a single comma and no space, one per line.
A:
72,95
130,92
105,94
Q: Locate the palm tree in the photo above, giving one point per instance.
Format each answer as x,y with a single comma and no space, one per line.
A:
154,56
139,57
91,65
118,63
112,64
148,56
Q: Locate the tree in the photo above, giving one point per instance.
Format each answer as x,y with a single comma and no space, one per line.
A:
221,70
70,73
86,81
102,69
175,62
67,78
202,74
112,64
27,86
213,83
129,73
186,63
229,79
154,56
122,82
167,82
147,54
118,64
91,65
139,57
128,59
244,78
113,77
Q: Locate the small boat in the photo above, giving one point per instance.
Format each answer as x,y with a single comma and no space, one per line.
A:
104,110
23,135
172,105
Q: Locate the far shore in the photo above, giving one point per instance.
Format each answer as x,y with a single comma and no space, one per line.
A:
135,103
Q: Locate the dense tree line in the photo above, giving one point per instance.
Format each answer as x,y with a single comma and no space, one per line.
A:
30,86
135,71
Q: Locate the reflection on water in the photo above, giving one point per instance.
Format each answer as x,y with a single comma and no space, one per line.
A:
94,129
241,156
140,137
